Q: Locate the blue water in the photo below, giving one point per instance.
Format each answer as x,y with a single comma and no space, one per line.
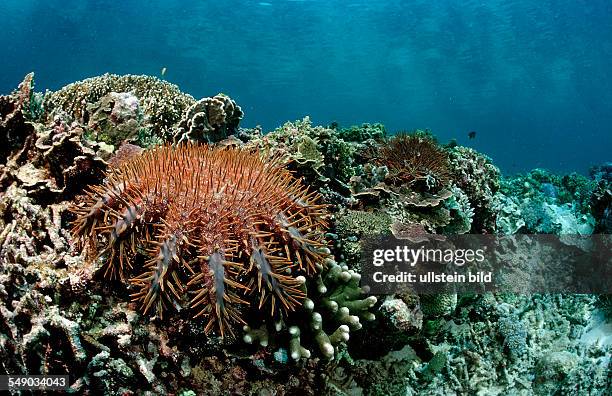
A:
532,78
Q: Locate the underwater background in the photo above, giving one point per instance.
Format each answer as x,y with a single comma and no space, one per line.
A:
532,78
155,240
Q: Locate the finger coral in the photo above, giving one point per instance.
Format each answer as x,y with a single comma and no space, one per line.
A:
221,228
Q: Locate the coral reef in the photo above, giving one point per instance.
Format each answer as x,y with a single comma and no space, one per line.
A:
541,202
319,154
493,345
229,233
601,172
54,161
363,133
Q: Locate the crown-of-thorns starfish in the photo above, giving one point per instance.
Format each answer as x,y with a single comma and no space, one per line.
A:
222,228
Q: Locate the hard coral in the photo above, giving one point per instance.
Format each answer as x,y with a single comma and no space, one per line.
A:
14,128
479,179
162,103
115,118
209,120
53,163
224,226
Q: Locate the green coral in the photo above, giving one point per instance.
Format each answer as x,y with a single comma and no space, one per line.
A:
435,305
335,306
435,365
552,370
352,225
356,223
307,150
320,149
461,213
363,132
514,332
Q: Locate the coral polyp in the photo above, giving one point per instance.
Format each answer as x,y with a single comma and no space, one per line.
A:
221,228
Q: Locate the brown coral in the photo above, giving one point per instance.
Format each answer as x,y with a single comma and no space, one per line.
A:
14,128
415,160
224,226
209,120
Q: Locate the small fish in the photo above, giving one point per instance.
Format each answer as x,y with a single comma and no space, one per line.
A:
163,71
472,135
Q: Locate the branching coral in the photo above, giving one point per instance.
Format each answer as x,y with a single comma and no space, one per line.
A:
335,306
223,226
13,116
479,179
162,103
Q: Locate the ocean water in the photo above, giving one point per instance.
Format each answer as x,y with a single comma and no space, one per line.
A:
532,78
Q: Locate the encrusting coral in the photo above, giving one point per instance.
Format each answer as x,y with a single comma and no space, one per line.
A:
225,226
115,118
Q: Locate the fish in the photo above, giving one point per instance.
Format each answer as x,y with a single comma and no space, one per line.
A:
472,134
163,71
